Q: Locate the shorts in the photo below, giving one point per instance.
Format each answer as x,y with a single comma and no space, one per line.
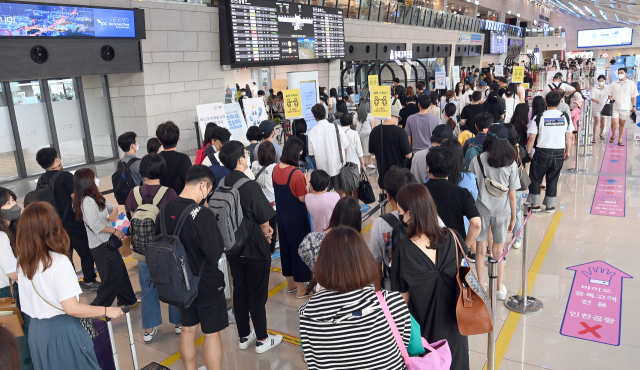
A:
334,184
622,114
364,139
499,226
212,317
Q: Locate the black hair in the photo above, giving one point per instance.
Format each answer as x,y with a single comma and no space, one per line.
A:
208,130
502,79
291,151
424,101
432,78
230,153
500,152
46,156
349,90
152,166
601,77
153,145
435,99
520,115
341,106
260,93
346,213
253,133
622,69
396,178
494,87
493,98
346,120
483,121
396,80
221,134
553,99
266,153
319,113
538,106
168,133
513,135
509,93
319,180
411,98
457,156
476,96
126,140
440,161
300,126
198,173
333,92
464,127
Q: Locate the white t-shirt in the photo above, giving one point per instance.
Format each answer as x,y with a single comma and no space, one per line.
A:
553,127
8,263
510,104
265,180
323,146
600,95
56,284
563,86
354,151
622,92
254,91
363,127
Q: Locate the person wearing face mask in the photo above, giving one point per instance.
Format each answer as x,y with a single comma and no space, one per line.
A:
219,137
599,96
8,223
97,215
62,181
622,93
424,271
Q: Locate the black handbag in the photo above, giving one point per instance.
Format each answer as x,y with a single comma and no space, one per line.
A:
114,242
365,191
607,110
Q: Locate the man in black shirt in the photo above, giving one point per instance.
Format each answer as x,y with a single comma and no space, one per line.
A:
251,267
469,113
204,245
411,109
178,164
398,90
49,160
395,149
453,202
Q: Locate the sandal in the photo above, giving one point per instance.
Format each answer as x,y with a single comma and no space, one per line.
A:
620,143
602,137
593,141
613,138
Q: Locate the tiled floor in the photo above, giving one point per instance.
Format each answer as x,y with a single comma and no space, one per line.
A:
527,342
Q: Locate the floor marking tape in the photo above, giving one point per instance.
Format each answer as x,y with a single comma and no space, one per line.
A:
176,356
286,338
275,290
276,269
510,325
366,228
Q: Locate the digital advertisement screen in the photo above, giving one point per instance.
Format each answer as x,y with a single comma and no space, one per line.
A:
498,42
278,32
514,42
605,37
65,21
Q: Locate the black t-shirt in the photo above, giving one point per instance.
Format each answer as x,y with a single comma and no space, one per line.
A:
453,203
62,190
406,112
257,208
178,165
469,113
392,152
495,109
202,241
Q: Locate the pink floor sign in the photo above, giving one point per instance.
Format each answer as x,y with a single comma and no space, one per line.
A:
609,198
595,306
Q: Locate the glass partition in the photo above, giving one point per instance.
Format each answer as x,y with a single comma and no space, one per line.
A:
375,10
99,117
8,167
364,9
68,120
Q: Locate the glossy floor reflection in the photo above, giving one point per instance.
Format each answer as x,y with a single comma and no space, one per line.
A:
535,342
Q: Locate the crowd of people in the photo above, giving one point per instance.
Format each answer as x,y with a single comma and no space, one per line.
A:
451,166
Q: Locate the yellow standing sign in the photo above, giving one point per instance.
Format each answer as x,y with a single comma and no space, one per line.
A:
292,103
526,86
518,75
373,81
380,102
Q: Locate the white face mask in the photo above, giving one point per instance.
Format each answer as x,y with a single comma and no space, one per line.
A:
97,181
601,83
621,75
244,93
161,149
137,147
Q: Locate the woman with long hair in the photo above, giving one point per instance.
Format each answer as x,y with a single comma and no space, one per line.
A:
208,131
364,125
424,271
577,100
9,215
497,213
333,99
98,214
450,97
49,292
461,95
520,121
492,105
409,91
348,307
263,166
599,95
449,118
341,108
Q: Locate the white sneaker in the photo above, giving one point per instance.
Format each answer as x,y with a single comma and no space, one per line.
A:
244,342
148,336
202,368
502,293
516,245
370,165
178,329
270,342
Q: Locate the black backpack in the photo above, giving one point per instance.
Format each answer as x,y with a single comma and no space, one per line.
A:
45,192
397,235
122,180
168,263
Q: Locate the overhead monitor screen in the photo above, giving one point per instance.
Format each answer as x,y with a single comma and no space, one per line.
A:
498,42
605,37
278,32
65,21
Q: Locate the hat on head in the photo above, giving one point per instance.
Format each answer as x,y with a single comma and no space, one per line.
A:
442,132
395,112
266,127
482,83
498,132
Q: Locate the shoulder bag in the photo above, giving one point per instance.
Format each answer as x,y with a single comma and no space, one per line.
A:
607,109
114,242
349,176
439,356
472,309
525,181
493,187
365,191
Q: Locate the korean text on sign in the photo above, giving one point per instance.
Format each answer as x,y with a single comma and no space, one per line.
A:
518,74
380,102
292,103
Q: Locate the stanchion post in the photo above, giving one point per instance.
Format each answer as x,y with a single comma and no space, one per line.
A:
491,345
577,169
524,303
587,129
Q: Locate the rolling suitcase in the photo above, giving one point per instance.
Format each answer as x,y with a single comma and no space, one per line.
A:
102,346
151,366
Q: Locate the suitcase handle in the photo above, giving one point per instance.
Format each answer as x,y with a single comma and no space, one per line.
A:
126,310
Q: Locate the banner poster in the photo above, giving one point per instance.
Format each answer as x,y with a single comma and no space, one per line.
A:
309,97
254,111
381,102
235,122
213,112
292,104
498,70
441,80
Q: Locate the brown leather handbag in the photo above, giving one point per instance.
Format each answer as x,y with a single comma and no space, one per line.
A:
9,302
472,310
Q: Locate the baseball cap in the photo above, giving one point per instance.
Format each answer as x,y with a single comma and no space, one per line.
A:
266,127
395,112
498,132
442,132
482,83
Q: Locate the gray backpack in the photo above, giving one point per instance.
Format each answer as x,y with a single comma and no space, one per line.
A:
234,227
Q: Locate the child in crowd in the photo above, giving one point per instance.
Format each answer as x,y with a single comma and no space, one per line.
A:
320,203
465,134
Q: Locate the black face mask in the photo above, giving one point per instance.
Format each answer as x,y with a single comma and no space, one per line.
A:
401,217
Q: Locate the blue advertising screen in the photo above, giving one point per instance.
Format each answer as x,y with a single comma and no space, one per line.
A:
65,21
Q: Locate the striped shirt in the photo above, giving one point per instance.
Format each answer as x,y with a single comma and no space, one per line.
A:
349,331
95,220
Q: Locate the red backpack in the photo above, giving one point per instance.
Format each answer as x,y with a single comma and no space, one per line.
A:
200,154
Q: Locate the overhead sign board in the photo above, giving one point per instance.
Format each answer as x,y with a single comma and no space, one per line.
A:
605,37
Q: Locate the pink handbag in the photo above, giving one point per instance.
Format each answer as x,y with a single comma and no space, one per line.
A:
439,357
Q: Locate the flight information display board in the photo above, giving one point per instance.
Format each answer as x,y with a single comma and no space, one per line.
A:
269,32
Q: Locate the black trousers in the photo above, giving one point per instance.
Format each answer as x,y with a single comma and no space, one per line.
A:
250,291
78,241
114,278
545,162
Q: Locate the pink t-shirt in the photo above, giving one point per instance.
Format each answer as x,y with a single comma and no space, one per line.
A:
320,208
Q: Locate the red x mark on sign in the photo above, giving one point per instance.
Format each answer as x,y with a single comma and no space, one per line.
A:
590,329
